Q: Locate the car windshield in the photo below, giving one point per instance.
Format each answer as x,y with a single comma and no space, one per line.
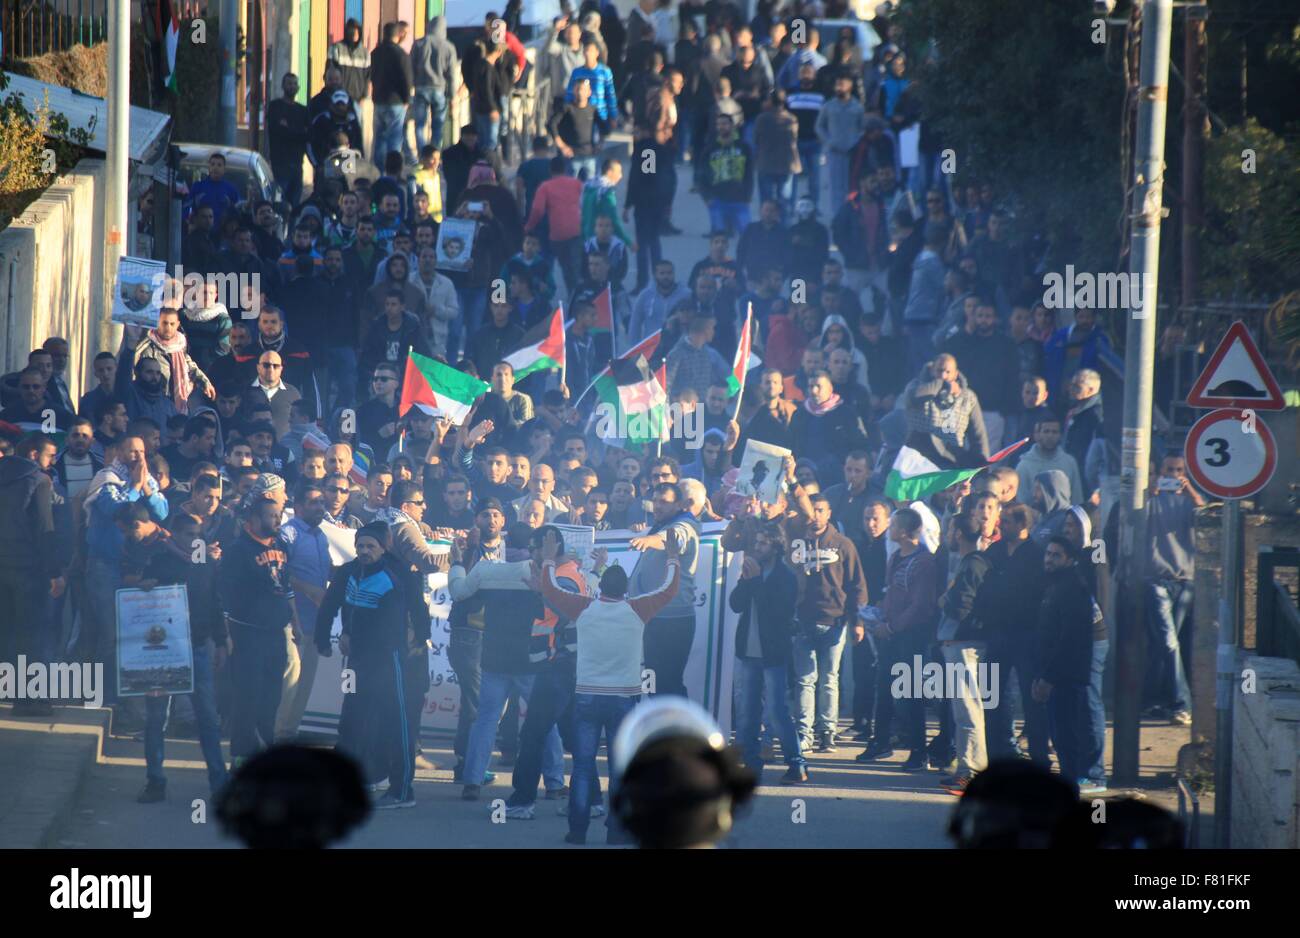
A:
237,176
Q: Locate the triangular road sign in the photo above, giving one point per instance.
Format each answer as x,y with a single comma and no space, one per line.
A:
1236,376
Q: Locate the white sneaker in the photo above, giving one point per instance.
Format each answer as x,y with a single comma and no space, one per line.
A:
381,785
521,812
597,809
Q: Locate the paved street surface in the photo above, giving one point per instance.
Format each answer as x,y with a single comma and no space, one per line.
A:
845,806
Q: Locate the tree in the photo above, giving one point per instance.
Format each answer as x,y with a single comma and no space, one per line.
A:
1026,99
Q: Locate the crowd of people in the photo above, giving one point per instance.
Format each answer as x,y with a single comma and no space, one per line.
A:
253,427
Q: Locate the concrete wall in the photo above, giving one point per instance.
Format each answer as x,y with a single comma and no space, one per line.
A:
1266,757
51,280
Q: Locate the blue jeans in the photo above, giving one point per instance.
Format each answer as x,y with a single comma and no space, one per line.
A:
780,188
473,303
390,130
204,701
580,163
761,698
728,216
489,130
343,371
817,653
494,692
430,113
1097,708
1168,611
592,714
920,347
810,152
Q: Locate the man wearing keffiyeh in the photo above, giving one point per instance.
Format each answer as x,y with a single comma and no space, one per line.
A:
166,344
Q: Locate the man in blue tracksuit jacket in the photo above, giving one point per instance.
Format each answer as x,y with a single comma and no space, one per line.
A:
384,621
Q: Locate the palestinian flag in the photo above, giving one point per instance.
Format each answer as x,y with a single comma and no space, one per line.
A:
542,347
740,366
604,303
441,386
646,349
633,406
169,29
915,477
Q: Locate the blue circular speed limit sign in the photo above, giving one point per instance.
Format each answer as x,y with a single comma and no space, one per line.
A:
1230,453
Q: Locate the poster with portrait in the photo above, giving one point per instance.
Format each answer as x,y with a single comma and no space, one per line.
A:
155,654
456,243
138,293
760,471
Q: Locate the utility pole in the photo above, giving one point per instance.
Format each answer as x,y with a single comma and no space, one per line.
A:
115,225
1196,129
229,68
1145,214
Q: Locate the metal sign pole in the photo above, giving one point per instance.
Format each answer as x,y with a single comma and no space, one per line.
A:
1229,635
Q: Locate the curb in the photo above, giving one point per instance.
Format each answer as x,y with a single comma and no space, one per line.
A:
50,780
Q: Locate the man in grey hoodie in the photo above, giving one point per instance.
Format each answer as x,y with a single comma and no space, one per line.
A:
1047,453
434,61
1051,499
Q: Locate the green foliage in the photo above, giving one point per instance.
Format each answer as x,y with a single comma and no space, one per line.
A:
35,146
1021,93
1251,239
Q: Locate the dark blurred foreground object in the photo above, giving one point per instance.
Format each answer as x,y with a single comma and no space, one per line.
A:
679,784
1014,804
1128,824
295,798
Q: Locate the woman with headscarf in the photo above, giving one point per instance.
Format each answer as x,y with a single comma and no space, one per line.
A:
483,186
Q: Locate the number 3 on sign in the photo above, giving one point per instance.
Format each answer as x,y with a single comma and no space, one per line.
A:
1230,457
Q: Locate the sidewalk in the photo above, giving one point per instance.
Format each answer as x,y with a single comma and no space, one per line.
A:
44,761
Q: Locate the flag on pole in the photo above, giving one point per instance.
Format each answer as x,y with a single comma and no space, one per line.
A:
646,349
169,28
914,477
604,303
542,347
740,365
633,404
448,389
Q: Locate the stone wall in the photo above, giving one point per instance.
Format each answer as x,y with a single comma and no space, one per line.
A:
51,280
1266,757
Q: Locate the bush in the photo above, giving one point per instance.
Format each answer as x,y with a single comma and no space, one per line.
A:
34,148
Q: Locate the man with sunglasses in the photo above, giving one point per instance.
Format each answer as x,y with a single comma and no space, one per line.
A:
377,417
336,489
268,388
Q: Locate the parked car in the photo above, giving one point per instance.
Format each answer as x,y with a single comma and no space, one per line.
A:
247,170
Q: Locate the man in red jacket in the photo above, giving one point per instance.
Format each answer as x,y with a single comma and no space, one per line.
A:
559,203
